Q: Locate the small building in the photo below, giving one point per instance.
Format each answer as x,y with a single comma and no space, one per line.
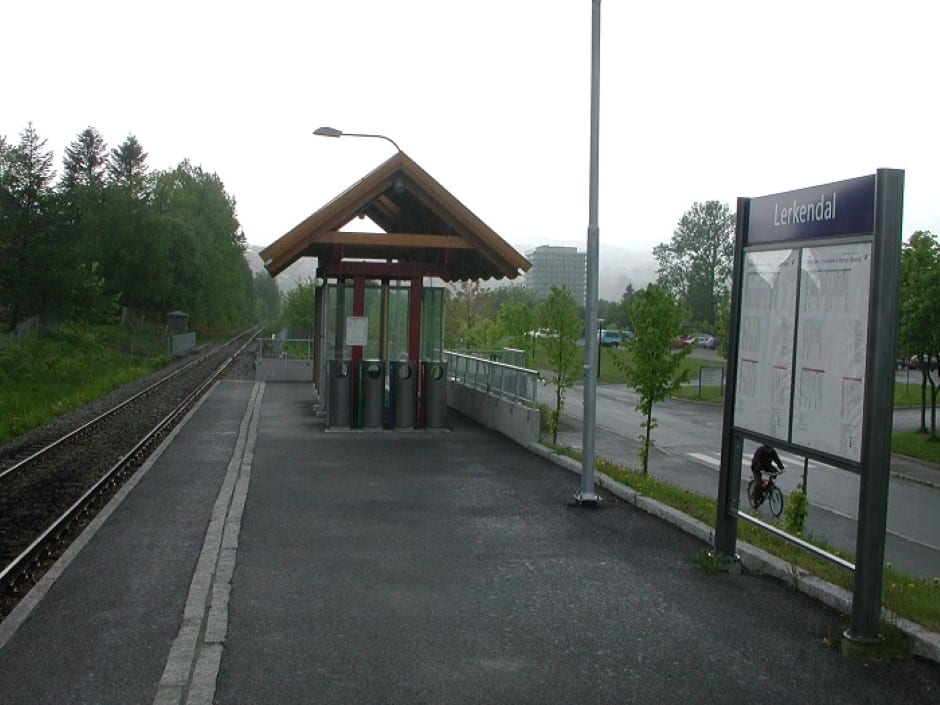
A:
375,297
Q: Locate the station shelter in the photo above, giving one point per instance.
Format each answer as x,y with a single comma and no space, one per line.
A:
379,303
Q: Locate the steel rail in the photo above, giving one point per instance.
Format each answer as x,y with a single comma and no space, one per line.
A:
20,565
98,419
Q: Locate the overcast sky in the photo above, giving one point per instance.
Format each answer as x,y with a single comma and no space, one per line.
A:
699,100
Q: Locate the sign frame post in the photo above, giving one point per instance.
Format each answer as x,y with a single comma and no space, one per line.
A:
879,401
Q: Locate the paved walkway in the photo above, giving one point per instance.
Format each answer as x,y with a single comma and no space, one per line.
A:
260,559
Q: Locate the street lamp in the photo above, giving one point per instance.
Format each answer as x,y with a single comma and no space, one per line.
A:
586,495
333,132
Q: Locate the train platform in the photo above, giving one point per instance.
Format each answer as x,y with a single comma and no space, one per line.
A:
259,558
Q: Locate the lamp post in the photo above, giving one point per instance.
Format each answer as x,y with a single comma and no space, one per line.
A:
333,132
586,496
600,331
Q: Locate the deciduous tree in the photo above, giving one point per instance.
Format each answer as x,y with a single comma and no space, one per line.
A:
562,321
651,367
695,265
919,320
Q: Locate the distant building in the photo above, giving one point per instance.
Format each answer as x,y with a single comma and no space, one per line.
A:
557,266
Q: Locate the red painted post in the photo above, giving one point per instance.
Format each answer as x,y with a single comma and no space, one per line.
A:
359,307
414,341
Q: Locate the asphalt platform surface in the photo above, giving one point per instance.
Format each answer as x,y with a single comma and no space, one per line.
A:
262,559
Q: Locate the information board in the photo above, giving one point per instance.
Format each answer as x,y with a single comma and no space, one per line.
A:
801,358
831,345
765,343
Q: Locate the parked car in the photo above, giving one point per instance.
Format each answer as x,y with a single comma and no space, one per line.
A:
611,339
542,333
914,362
702,340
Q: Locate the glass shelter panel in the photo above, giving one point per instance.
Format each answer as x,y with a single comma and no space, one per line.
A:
432,321
398,322
336,296
432,324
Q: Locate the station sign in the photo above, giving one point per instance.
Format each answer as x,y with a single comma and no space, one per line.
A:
839,209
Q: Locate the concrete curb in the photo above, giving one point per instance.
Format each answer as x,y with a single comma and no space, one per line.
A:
924,643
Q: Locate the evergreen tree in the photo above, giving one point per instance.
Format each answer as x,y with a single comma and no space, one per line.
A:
85,161
28,266
127,166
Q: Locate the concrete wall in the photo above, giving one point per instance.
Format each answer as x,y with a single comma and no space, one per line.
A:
518,422
272,369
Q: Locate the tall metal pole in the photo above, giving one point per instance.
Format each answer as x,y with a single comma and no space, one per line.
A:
587,494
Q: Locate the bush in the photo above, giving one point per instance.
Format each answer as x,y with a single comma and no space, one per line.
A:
794,514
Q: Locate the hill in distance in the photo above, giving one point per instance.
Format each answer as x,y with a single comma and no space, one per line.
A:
618,267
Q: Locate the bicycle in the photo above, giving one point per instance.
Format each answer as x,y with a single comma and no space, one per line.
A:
769,491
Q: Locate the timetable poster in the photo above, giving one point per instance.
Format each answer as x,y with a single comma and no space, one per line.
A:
765,342
831,349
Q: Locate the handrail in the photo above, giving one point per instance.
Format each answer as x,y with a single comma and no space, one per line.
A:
285,348
518,384
796,541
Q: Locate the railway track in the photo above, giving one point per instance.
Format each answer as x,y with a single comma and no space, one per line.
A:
54,485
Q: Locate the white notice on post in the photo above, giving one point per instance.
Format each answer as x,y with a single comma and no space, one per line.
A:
765,345
357,330
831,349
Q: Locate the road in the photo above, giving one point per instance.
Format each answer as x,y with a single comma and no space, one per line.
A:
688,443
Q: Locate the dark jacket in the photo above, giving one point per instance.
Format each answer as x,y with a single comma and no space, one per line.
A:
765,458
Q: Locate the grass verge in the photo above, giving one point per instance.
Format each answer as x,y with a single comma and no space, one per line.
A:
41,378
916,445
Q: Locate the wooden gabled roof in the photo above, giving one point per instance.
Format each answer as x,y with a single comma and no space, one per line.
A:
427,230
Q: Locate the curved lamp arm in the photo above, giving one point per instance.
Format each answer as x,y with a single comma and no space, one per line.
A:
333,132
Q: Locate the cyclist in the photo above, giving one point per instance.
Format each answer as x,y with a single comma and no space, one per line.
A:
765,457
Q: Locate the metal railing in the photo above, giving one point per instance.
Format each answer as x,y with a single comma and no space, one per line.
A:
518,384
285,348
797,541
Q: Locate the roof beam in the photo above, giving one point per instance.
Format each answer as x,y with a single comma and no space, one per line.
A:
391,240
387,270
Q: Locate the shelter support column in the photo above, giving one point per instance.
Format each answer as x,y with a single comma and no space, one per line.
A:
359,308
414,318
317,332
339,323
414,340
383,323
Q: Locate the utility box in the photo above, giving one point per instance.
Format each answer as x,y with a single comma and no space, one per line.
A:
177,322
404,393
372,391
340,392
435,394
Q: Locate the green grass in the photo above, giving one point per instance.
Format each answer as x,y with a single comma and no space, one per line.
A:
916,445
912,598
41,378
905,395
